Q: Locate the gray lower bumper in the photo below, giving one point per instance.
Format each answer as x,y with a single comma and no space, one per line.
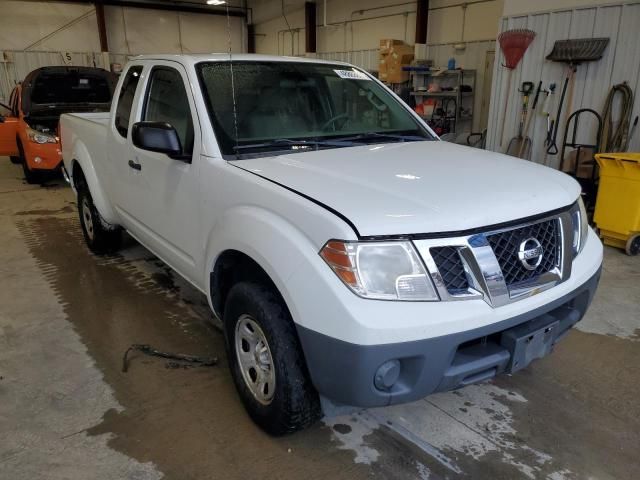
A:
345,372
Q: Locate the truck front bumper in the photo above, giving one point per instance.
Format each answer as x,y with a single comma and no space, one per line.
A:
385,374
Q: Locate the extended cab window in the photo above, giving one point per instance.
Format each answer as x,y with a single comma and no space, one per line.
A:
167,101
125,100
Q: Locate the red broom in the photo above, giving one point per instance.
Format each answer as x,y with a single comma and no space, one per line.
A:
513,44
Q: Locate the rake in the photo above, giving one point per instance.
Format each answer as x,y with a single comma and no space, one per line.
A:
513,44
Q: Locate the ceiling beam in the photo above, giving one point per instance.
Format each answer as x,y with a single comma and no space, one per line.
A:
422,20
173,6
102,28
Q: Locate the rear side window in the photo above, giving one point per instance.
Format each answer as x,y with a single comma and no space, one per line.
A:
125,100
167,101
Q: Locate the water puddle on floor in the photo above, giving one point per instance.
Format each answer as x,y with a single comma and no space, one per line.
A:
191,424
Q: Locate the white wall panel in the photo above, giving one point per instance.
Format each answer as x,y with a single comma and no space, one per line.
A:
151,32
47,26
61,27
139,31
354,25
621,62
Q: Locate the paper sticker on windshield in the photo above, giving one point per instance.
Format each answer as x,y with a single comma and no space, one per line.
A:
351,74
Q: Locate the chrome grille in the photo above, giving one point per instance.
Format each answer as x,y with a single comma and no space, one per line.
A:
505,246
486,265
451,269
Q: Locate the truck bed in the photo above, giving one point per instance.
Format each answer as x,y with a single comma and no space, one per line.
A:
84,130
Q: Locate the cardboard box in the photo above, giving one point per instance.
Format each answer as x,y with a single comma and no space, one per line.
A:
383,71
388,43
395,74
393,55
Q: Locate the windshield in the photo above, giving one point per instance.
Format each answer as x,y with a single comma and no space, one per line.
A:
292,106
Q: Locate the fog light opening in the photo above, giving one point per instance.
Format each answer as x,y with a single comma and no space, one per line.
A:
37,160
387,375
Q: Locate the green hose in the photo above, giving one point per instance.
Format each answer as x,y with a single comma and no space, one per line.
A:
617,140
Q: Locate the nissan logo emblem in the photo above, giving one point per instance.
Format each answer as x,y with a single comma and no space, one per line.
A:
530,253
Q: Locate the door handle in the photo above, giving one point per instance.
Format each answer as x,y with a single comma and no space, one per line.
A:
134,165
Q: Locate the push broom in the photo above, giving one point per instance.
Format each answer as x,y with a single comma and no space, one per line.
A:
513,44
572,52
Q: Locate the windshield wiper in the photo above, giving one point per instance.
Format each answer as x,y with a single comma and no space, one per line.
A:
296,143
394,136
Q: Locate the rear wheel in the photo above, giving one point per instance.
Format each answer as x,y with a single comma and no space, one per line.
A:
266,360
100,237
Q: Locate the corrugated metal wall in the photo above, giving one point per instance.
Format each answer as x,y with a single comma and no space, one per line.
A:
621,62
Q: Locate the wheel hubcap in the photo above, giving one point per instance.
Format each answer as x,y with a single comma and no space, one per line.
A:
254,359
88,219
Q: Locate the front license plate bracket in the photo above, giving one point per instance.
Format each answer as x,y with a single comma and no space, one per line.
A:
529,341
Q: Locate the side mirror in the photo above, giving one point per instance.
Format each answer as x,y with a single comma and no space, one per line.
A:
158,137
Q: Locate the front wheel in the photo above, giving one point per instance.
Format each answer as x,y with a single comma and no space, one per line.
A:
266,361
31,176
100,237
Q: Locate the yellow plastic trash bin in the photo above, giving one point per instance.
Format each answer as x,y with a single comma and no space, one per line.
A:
617,213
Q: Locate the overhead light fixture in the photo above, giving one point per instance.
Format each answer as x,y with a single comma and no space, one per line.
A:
216,2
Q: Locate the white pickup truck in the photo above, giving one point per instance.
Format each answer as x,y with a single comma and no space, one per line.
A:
351,255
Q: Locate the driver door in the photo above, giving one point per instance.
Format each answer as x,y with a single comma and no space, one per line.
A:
9,126
164,206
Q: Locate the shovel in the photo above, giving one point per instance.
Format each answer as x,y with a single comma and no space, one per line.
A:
518,142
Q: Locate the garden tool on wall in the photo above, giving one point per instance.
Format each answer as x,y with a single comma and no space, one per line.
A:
525,147
513,44
572,52
519,141
616,133
547,105
633,129
552,147
580,162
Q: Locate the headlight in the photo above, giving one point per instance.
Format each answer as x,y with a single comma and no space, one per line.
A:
380,270
40,137
580,226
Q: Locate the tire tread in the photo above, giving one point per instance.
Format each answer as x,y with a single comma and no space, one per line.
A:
296,405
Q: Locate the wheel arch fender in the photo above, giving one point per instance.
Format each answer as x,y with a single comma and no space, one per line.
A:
81,159
276,245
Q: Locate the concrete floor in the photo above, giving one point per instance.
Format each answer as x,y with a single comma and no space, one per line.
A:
68,412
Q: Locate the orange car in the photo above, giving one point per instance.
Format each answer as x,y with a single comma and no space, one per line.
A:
29,124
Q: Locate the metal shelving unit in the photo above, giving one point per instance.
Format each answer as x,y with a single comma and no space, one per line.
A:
463,101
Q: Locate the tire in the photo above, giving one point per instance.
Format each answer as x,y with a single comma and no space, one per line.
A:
32,177
292,404
16,160
99,237
633,245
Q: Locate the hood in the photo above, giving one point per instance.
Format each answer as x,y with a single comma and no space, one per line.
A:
66,89
420,187
53,112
